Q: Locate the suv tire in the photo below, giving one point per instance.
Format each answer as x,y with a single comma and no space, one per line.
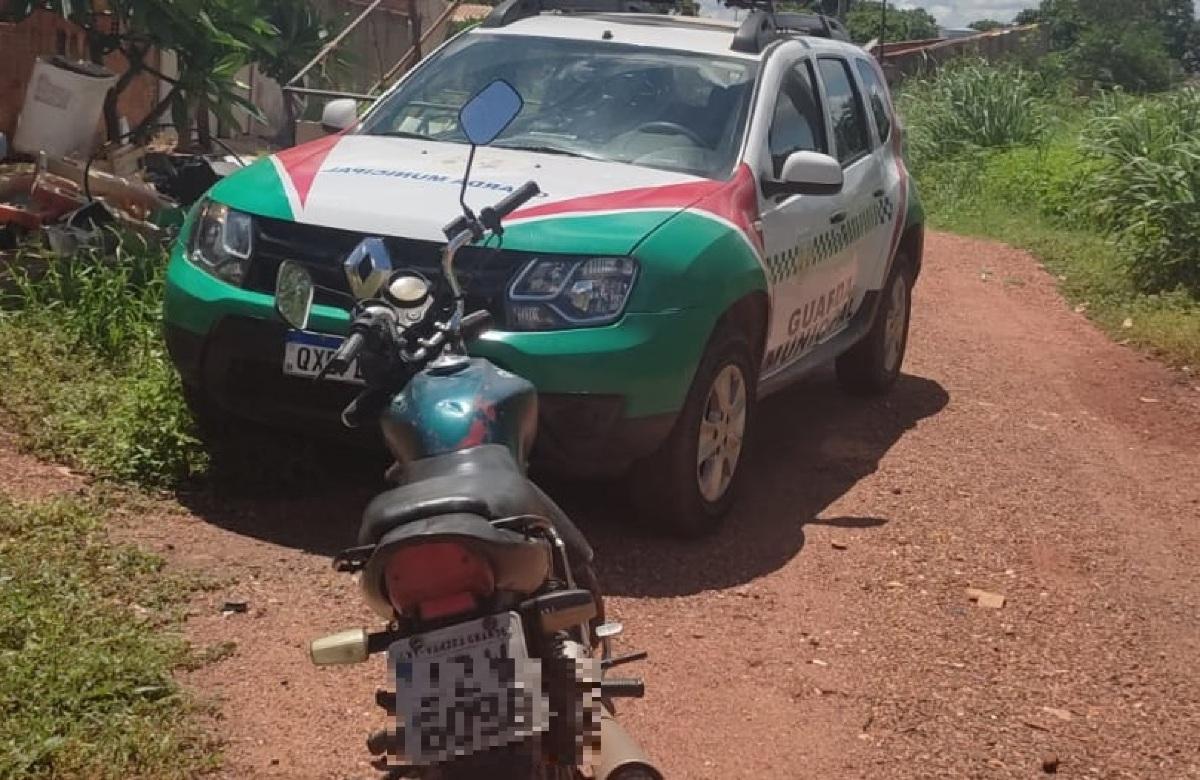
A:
211,421
872,365
676,489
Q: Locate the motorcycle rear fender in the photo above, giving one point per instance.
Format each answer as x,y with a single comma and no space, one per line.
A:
520,564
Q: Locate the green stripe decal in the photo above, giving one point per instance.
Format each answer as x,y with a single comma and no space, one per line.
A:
256,189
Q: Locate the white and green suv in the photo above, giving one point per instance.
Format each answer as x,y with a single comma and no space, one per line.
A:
724,207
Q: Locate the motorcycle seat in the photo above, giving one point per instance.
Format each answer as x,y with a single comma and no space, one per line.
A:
484,481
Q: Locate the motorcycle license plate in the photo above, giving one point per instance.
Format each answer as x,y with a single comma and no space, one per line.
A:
467,688
305,354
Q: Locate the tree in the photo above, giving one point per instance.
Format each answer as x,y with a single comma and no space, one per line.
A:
1127,43
827,7
300,34
213,40
865,23
983,25
1028,16
1130,56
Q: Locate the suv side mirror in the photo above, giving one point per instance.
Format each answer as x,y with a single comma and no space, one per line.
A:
339,115
807,173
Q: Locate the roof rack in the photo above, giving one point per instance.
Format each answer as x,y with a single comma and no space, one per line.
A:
764,25
510,11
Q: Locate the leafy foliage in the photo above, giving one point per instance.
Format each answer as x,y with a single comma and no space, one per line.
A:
1145,186
1105,194
984,25
1134,44
85,671
1128,56
973,105
300,32
212,39
865,21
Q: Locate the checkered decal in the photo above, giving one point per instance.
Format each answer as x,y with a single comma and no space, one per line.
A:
821,247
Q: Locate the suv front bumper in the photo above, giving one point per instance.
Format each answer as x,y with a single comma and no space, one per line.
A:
607,396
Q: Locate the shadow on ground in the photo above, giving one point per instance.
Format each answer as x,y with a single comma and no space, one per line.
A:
812,443
288,489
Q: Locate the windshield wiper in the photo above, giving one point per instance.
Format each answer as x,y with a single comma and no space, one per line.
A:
548,150
406,134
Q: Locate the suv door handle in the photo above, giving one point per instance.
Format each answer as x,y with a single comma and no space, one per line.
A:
837,218
878,193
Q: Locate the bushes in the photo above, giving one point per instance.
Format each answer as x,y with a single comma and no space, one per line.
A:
82,370
1130,57
971,106
1145,187
1103,191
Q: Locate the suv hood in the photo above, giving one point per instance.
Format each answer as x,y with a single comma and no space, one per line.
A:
406,187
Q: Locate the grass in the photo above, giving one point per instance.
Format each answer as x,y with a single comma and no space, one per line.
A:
87,650
1102,191
83,374
1091,273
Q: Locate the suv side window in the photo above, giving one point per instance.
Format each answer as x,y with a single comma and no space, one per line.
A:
846,111
797,124
876,94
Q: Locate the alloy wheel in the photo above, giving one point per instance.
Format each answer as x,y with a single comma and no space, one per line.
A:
722,429
896,325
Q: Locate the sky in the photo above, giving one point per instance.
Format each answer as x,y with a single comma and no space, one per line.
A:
960,13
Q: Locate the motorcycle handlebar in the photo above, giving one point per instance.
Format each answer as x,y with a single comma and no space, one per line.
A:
491,216
457,226
345,354
475,324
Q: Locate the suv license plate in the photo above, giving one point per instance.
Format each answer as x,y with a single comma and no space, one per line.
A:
305,354
467,688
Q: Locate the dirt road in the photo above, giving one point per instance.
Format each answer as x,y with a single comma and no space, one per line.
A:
827,632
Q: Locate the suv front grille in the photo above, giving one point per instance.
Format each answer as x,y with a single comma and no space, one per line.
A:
485,274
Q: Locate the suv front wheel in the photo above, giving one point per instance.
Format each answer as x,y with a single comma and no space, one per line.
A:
688,485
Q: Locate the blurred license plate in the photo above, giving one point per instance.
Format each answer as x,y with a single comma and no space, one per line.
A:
305,354
467,688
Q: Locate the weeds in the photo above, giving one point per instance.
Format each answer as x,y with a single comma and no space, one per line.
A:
107,300
85,677
82,370
970,106
1103,191
1145,187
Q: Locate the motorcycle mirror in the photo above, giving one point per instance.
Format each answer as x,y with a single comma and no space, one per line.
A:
489,112
294,294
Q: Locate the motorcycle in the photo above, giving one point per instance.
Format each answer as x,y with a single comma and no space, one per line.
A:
496,642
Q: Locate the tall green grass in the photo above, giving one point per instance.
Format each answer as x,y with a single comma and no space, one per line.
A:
972,106
1102,190
83,373
1144,186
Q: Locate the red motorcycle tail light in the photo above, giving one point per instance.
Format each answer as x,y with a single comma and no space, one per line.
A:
438,579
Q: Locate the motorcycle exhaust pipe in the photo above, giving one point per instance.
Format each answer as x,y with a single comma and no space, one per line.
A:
620,757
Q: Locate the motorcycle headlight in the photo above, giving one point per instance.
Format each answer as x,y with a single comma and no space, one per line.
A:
551,293
221,241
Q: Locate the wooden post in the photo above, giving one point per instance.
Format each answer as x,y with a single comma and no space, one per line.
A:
414,29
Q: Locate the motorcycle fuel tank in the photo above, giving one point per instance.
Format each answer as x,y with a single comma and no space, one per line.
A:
451,408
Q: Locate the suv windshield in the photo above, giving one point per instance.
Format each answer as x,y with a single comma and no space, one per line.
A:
659,108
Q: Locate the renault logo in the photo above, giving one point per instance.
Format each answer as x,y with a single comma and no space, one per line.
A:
368,267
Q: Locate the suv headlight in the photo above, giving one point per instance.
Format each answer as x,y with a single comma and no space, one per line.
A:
221,241
551,293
